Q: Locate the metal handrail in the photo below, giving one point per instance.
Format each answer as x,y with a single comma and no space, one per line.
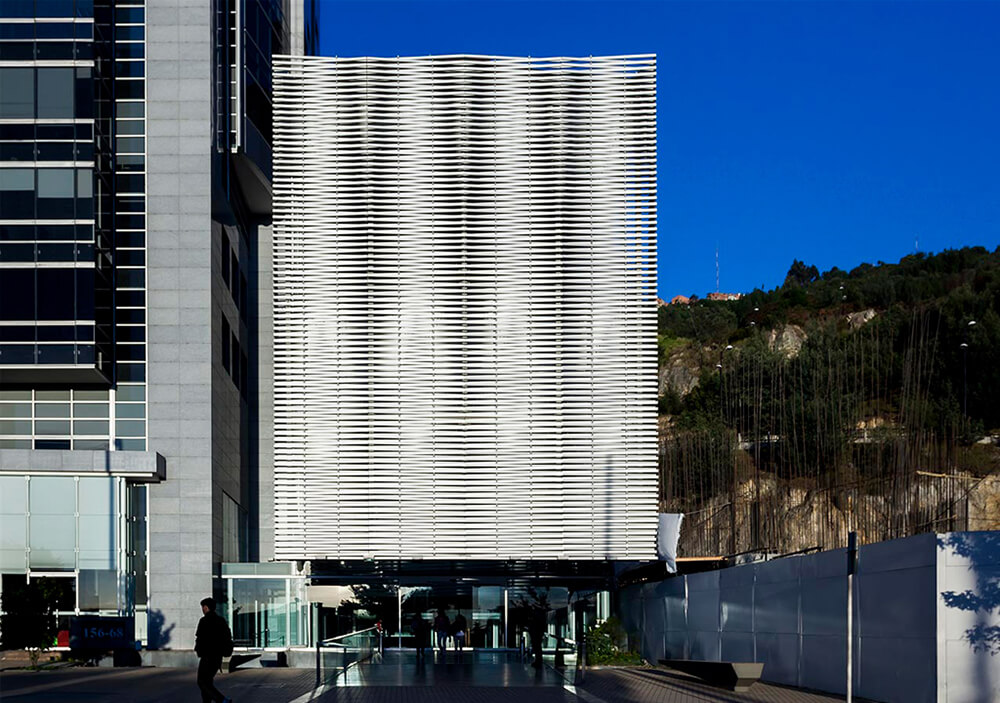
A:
571,644
332,643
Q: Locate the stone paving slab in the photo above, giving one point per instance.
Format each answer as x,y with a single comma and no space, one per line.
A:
661,686
162,685
454,694
450,669
150,685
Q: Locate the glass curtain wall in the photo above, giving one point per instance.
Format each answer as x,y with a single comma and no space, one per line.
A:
60,312
85,534
266,605
496,617
72,222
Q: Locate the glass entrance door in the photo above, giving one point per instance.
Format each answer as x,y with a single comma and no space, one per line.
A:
486,623
261,614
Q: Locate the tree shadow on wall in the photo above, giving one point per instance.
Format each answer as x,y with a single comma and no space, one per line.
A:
982,549
157,636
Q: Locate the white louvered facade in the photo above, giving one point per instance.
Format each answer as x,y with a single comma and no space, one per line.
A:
465,308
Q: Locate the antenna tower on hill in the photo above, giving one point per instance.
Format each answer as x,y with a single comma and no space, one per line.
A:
716,268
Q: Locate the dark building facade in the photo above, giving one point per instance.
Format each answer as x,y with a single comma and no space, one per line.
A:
135,167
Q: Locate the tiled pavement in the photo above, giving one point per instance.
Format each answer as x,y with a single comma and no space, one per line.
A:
660,686
397,681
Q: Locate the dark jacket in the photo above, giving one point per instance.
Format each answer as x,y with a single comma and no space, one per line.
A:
212,640
419,627
442,623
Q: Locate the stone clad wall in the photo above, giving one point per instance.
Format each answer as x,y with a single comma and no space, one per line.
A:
180,339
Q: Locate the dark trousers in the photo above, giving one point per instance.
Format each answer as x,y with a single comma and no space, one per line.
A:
208,667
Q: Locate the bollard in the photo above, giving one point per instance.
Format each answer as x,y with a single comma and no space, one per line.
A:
317,663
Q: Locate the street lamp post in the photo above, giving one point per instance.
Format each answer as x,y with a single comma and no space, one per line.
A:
965,381
732,497
965,372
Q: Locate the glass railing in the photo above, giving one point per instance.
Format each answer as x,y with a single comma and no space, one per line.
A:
335,655
566,656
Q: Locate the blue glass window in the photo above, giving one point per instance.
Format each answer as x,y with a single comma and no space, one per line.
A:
17,50
16,8
130,31
54,8
22,30
56,293
130,50
17,294
17,193
129,14
56,192
55,50
52,504
55,93
130,69
17,92
54,30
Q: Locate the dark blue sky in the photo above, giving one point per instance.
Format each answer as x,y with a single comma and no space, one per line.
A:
832,132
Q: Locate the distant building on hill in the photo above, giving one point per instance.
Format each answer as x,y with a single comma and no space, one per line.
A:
680,300
724,296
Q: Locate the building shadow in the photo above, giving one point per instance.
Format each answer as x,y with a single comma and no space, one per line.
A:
981,551
157,636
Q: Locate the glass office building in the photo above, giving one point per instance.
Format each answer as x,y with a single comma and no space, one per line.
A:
135,167
72,225
84,534
72,300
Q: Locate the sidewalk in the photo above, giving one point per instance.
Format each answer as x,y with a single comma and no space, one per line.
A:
486,679
663,686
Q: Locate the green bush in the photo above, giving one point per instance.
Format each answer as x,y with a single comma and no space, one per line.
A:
608,644
29,619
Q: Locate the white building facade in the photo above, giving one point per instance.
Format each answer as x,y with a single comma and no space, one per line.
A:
464,281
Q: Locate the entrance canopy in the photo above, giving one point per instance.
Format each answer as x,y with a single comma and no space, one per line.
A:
573,575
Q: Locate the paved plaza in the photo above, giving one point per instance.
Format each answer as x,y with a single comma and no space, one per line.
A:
476,678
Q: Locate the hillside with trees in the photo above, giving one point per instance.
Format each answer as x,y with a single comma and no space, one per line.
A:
845,400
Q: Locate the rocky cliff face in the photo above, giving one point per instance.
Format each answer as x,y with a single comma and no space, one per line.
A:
778,516
861,318
787,339
679,372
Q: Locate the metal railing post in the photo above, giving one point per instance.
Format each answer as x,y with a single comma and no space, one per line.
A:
317,662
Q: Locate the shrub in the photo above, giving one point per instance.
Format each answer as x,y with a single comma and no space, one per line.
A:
608,644
29,619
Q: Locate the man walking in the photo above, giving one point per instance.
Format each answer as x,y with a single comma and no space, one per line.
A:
212,642
442,625
419,629
459,630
